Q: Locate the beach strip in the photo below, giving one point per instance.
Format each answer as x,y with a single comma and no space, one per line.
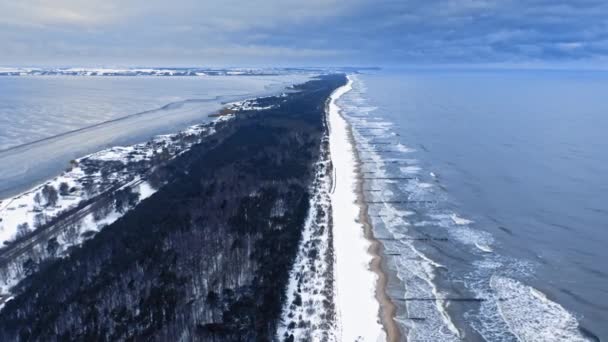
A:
364,311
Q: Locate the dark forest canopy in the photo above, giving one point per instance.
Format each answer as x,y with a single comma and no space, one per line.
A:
206,257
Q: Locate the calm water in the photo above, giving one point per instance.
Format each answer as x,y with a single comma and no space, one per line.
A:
75,116
505,205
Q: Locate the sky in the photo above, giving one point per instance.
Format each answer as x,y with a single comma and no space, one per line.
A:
303,33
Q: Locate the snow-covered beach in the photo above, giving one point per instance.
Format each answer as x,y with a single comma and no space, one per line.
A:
356,282
337,288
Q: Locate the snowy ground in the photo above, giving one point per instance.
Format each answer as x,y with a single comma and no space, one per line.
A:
355,284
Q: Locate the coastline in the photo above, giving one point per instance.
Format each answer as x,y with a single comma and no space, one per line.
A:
388,309
345,156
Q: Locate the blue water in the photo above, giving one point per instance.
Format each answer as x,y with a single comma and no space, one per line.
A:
507,198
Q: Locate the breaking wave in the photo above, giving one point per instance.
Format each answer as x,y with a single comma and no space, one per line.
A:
425,238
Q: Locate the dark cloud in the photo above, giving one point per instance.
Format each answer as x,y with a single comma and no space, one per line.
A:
303,32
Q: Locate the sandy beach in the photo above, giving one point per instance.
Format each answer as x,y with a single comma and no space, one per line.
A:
364,310
387,308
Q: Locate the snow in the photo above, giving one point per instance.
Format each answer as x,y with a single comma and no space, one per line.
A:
355,283
108,71
310,282
331,291
22,208
145,191
117,153
250,104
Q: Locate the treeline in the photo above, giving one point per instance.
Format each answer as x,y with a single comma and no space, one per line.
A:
205,258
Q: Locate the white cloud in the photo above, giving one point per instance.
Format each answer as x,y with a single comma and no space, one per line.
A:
359,31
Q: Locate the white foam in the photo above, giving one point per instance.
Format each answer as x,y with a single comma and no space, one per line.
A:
404,149
417,271
483,247
459,220
425,185
460,231
410,170
511,310
414,268
145,190
531,316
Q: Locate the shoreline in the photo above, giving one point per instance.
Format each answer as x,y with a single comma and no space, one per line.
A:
116,153
352,206
388,309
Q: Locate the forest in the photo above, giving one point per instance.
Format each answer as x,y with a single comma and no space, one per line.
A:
207,257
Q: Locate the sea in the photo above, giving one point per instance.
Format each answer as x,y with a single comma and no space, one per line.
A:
488,189
45,121
489,192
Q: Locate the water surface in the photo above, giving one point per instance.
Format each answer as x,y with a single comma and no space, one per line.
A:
507,184
45,121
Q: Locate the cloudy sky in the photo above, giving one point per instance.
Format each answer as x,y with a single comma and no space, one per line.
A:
307,32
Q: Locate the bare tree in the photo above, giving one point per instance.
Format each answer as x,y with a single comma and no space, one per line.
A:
52,246
22,230
101,210
90,189
50,195
64,189
39,220
29,266
125,199
38,200
70,234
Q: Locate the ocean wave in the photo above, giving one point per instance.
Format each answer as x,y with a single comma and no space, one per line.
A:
531,316
415,210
